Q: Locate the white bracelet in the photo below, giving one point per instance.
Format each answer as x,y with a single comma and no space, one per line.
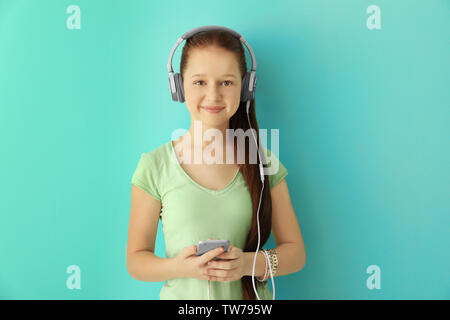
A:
263,279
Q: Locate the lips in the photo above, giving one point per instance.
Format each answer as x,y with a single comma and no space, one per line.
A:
213,109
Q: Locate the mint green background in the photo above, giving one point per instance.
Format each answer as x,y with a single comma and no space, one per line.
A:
364,133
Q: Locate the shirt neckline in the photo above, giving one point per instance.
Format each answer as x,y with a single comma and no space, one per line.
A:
177,164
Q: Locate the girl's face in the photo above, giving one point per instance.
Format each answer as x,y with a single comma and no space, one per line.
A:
212,79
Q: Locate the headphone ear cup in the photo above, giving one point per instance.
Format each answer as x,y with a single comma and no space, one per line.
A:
244,89
179,87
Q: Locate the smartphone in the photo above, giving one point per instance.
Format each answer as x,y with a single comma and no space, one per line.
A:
207,245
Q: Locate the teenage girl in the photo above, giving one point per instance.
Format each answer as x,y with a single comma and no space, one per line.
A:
200,201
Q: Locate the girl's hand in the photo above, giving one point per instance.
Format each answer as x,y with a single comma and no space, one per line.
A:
189,265
230,267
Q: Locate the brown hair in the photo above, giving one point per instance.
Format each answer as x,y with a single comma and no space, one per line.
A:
250,172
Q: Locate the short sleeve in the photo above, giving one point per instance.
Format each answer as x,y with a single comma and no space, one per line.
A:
275,169
146,176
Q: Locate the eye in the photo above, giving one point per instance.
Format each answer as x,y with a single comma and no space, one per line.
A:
230,82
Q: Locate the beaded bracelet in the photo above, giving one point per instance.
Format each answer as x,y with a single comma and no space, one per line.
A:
273,260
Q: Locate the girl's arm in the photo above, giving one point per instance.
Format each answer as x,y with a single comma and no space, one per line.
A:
290,250
146,266
142,263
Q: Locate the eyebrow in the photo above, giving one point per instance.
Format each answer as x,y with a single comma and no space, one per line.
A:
224,75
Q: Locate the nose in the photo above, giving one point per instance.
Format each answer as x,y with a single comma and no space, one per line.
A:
213,92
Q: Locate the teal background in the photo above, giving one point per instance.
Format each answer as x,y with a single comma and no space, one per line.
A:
364,133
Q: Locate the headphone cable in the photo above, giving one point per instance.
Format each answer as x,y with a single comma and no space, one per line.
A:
261,171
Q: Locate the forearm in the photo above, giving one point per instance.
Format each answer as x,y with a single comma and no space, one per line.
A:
146,266
289,256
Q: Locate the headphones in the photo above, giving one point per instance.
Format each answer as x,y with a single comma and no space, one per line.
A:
176,82
247,94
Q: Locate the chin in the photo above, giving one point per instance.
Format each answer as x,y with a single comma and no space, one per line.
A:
217,122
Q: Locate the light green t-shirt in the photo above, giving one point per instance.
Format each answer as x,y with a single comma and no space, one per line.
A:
191,212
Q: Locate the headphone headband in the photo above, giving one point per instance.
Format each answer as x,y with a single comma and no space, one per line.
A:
190,33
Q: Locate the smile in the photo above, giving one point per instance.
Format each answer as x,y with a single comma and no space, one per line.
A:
213,109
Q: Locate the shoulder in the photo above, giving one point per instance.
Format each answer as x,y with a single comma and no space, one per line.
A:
157,157
158,153
270,156
274,168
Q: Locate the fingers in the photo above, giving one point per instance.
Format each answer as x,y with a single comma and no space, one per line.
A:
189,251
211,254
222,275
231,253
223,264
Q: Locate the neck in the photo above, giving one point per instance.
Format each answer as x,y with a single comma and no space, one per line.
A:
200,136
203,135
